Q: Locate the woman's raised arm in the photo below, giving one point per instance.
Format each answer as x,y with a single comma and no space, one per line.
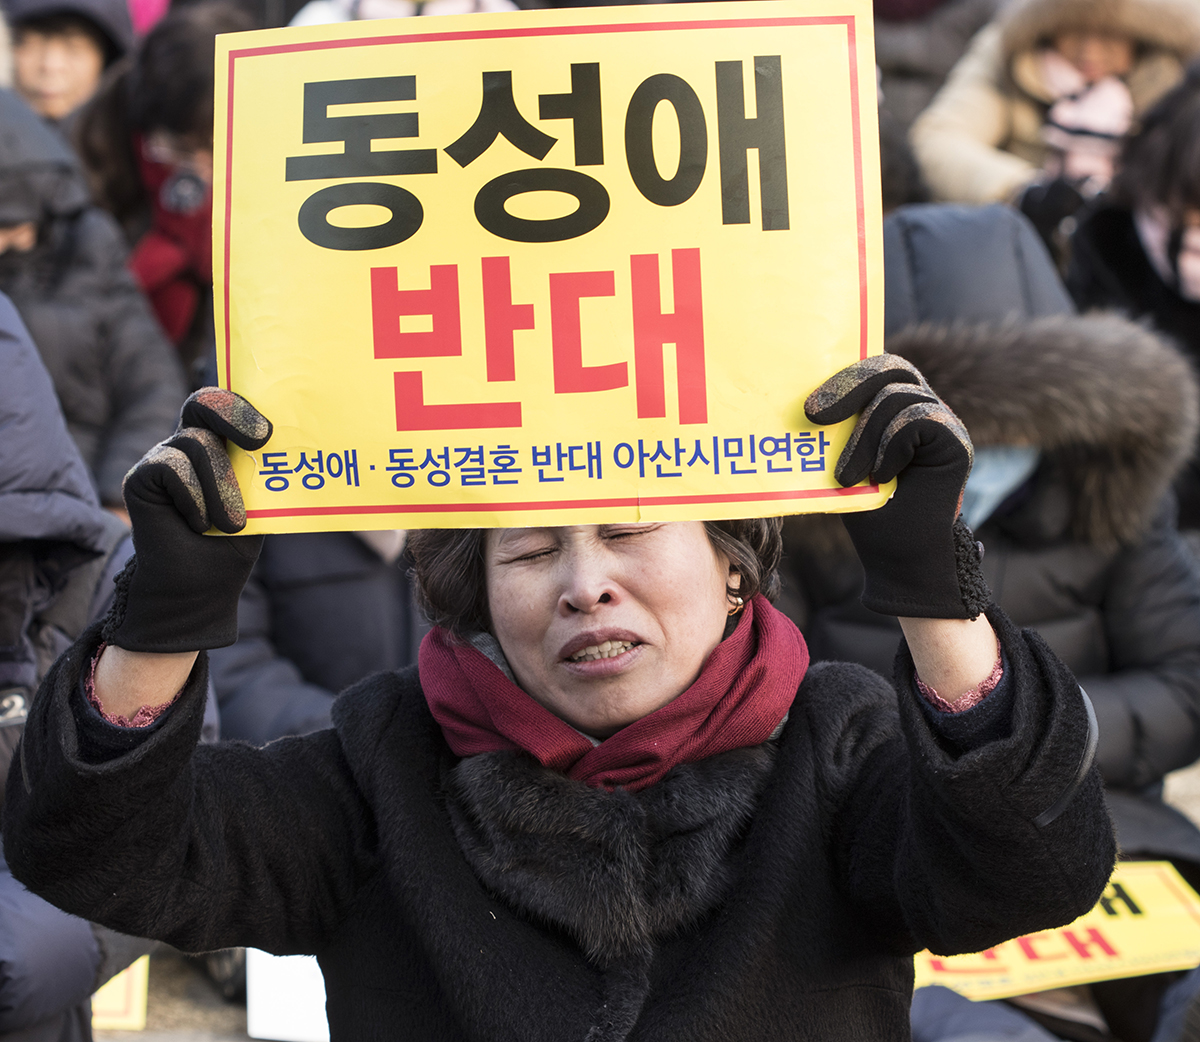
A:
179,592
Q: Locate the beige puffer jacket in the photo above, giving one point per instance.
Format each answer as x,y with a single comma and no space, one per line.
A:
980,139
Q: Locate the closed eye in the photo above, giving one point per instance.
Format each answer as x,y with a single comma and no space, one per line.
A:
624,532
536,554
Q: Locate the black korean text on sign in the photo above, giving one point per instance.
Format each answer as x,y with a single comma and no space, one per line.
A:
500,117
582,106
738,134
639,140
359,159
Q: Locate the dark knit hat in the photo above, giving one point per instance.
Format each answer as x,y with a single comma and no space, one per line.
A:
110,17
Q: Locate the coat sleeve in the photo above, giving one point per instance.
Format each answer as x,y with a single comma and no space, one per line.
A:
146,382
1148,704
959,139
204,848
956,853
262,694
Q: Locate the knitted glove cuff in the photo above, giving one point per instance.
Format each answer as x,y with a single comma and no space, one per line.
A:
968,555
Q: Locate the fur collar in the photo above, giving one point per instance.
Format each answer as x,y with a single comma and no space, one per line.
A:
1114,402
618,871
1172,26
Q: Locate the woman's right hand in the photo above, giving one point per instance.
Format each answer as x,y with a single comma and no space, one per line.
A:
180,590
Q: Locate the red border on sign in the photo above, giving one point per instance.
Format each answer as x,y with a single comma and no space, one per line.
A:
565,30
566,504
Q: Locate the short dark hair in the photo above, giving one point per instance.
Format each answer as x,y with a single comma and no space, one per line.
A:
450,575
1160,164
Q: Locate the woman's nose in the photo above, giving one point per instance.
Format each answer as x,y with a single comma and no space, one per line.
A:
587,584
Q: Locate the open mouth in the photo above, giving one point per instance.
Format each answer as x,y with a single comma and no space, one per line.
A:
609,649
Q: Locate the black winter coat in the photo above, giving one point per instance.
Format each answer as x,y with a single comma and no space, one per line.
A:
774,892
1080,553
117,378
320,612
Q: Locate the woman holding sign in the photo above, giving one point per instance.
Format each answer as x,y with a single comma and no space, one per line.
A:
614,801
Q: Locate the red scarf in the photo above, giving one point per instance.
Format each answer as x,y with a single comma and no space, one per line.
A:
744,690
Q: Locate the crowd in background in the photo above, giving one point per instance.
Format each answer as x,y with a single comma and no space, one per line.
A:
1041,186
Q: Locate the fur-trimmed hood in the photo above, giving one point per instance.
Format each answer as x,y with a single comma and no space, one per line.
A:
1167,25
1166,32
1117,403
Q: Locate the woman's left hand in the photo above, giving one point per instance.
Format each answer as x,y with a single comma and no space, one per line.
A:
921,560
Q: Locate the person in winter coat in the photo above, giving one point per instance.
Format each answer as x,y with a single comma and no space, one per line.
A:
62,261
612,801
61,49
320,611
1080,426
146,142
1046,92
1138,249
917,43
57,547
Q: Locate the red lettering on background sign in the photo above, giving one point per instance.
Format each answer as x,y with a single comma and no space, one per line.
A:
571,376
684,327
389,304
1083,947
1026,944
939,965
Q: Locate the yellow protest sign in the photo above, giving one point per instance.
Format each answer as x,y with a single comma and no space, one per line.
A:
1148,921
548,266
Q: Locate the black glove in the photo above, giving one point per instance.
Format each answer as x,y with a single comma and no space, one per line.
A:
920,558
179,592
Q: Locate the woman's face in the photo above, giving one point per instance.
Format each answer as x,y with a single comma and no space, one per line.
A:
653,593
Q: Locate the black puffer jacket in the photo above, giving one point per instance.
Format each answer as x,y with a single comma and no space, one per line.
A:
116,376
1086,552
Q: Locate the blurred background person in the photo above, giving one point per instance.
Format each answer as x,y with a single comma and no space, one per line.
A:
146,142
1036,109
61,49
58,554
1080,425
63,263
1137,250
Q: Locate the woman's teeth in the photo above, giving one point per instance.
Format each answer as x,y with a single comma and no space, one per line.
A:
609,649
